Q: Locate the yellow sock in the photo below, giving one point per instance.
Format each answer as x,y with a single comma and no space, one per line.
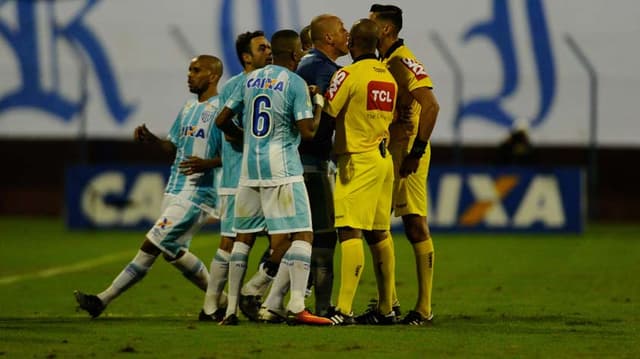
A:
424,266
384,263
352,264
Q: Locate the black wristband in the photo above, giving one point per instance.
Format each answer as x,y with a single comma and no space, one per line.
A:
418,148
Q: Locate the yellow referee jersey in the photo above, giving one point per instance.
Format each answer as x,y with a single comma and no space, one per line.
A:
362,99
410,74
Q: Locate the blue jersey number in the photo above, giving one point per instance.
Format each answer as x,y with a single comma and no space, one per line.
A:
261,118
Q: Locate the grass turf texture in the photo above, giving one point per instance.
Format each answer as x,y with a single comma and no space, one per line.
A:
494,296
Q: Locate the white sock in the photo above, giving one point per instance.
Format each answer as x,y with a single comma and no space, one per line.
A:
219,272
193,269
130,275
258,284
237,270
280,287
300,259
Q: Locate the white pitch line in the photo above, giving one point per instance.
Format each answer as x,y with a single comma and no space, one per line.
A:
76,267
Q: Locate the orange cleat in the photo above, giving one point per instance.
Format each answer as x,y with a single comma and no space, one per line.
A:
305,317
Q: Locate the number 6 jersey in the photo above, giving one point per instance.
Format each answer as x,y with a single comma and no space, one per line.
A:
271,99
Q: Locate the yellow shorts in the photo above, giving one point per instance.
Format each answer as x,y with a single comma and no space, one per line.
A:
364,185
410,193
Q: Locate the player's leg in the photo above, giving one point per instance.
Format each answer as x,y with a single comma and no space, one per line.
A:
414,218
320,182
358,176
248,220
213,308
381,246
214,305
283,218
255,288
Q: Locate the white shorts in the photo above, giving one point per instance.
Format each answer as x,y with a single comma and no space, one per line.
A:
276,209
179,221
227,206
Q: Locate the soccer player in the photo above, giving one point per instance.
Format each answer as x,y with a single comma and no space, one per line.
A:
329,43
410,149
190,196
362,98
254,52
271,194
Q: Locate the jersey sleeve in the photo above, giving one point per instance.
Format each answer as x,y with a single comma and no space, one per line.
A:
338,93
174,131
413,73
299,93
235,102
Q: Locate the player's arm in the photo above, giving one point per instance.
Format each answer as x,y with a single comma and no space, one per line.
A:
142,134
225,123
309,126
194,164
429,109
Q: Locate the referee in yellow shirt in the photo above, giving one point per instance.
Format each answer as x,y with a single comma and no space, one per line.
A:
361,97
409,147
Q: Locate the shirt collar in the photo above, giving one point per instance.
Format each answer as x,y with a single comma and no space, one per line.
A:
393,48
364,57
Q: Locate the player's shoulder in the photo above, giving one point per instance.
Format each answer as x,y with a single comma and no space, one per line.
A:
404,61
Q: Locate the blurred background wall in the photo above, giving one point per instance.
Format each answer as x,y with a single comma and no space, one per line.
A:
77,76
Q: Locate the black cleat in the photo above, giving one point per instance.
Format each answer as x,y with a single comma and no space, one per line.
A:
339,318
90,303
374,317
230,320
250,306
217,316
373,305
266,315
415,318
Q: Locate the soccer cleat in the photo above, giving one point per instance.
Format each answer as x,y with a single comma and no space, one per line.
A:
217,316
373,304
90,303
339,318
230,320
415,318
270,316
306,317
250,306
374,317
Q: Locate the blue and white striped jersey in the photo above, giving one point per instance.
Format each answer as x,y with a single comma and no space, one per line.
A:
194,133
273,99
231,155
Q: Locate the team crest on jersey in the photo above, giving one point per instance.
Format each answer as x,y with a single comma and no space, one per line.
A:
381,96
164,223
193,131
207,116
266,83
416,67
336,82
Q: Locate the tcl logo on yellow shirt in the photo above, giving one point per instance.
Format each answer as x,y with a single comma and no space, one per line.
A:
380,96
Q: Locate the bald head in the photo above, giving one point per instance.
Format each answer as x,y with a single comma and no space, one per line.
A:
211,63
322,25
364,36
204,73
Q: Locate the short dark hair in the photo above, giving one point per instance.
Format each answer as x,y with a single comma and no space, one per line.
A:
390,13
282,41
243,43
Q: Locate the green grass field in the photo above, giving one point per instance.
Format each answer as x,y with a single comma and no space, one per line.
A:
508,296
